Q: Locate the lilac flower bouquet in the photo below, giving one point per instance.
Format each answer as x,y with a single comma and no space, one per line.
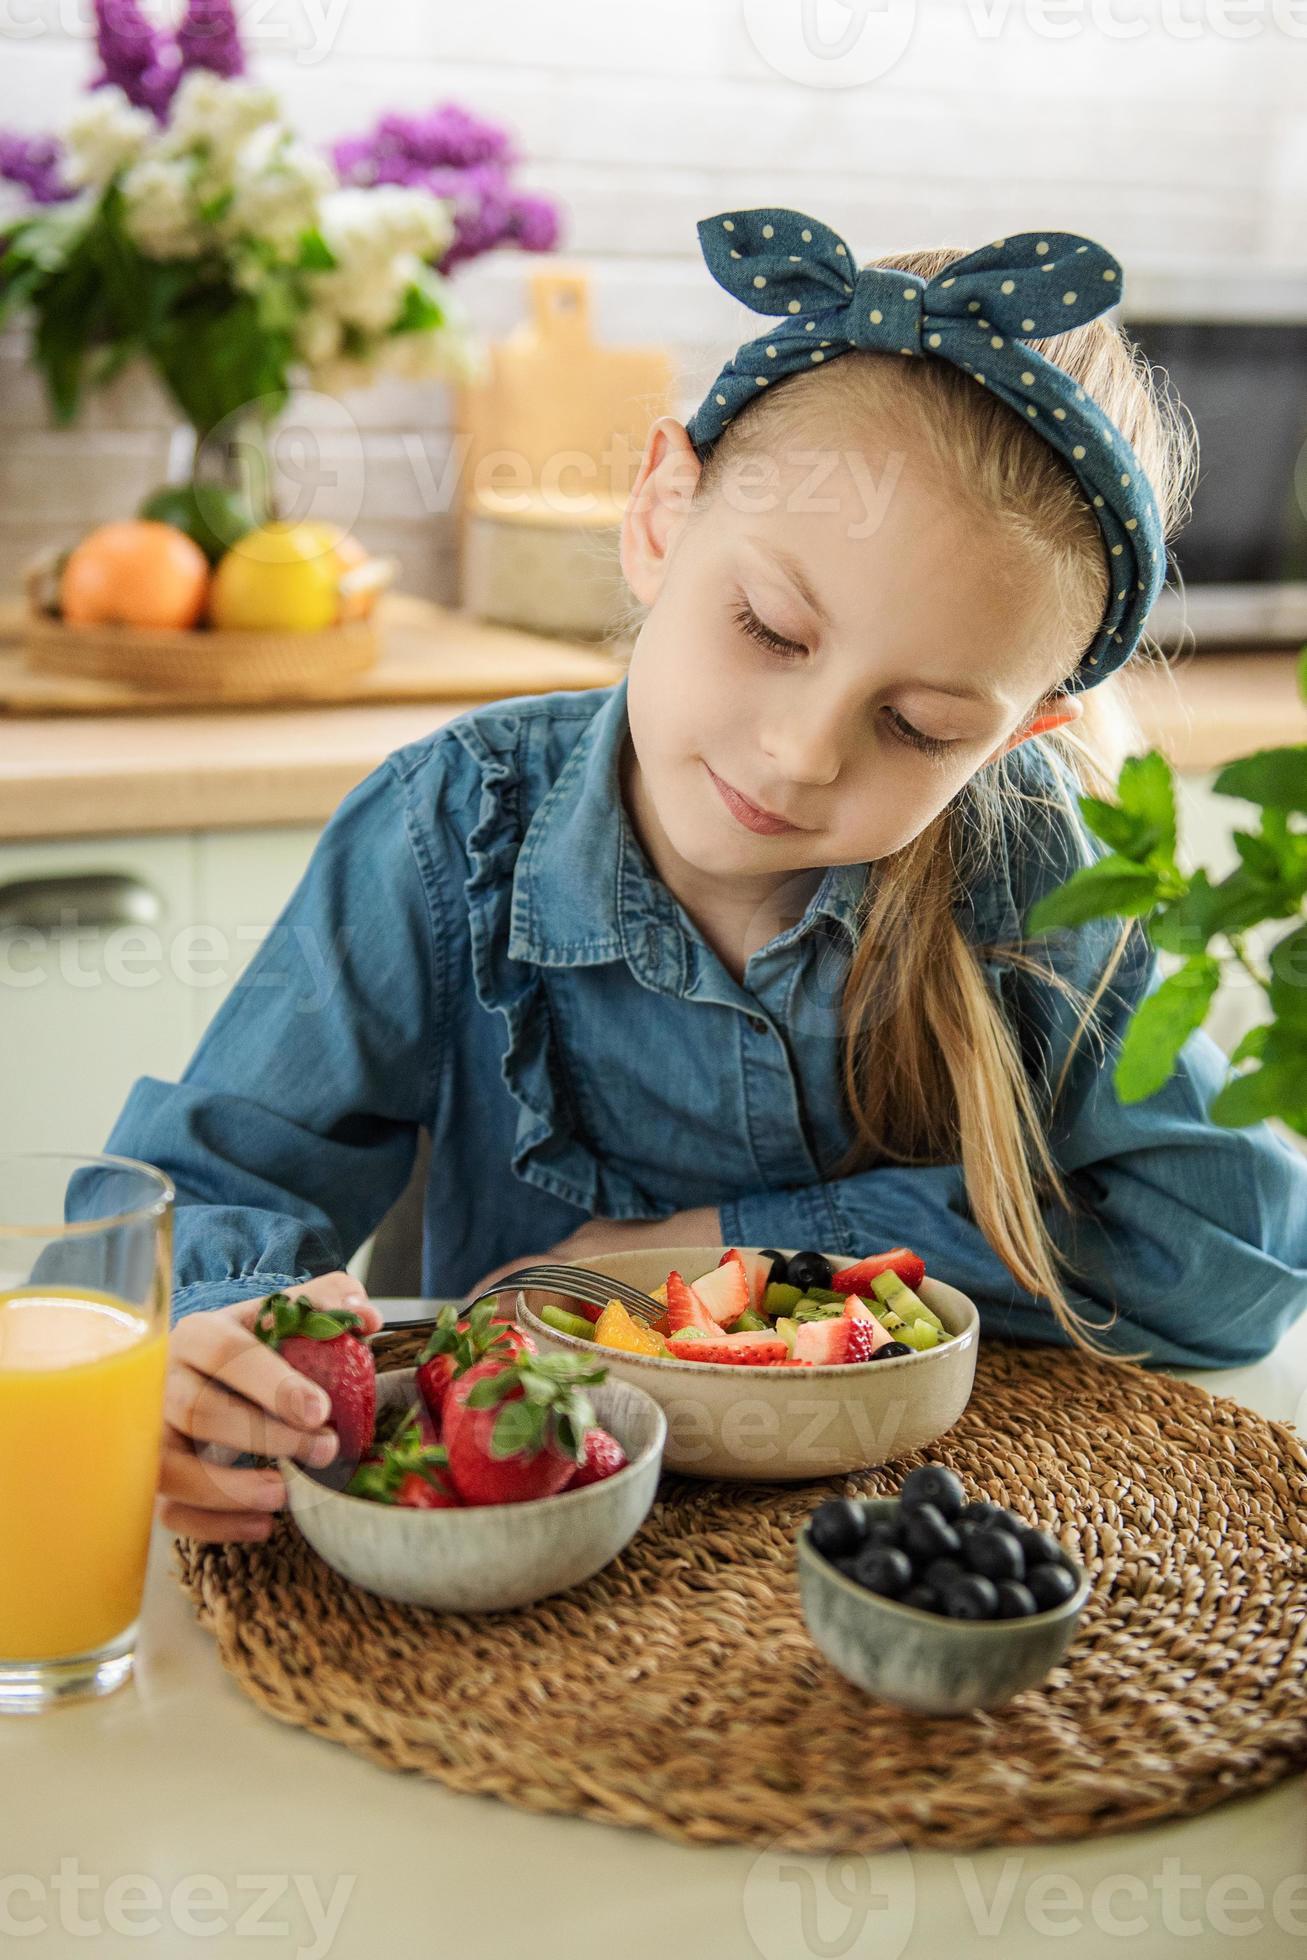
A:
179,220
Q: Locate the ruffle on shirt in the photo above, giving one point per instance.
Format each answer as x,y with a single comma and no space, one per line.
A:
547,1151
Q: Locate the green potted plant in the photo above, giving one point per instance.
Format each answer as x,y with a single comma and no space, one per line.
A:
1205,925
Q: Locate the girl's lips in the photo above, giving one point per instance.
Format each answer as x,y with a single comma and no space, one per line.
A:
748,813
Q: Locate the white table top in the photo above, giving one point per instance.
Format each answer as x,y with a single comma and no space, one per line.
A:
248,1830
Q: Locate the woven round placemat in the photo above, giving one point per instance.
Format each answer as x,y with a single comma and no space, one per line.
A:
679,1690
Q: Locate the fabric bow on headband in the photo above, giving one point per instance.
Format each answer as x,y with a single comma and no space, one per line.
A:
977,313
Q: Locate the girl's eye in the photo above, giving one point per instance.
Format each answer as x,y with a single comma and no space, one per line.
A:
748,622
905,732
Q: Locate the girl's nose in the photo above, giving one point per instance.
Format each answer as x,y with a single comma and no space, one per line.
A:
804,748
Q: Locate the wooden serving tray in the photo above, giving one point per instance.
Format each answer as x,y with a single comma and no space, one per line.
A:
428,653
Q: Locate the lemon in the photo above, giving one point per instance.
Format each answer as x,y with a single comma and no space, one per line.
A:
282,577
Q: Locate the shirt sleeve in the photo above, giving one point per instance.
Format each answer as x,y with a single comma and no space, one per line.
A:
1190,1239
294,1126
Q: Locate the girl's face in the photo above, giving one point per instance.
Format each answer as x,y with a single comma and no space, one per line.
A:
842,648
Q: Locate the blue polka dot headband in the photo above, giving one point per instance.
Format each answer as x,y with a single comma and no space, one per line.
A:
975,314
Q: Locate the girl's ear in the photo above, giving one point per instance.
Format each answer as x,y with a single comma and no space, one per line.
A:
1061,709
658,503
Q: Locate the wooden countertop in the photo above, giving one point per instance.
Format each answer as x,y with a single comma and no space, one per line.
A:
86,775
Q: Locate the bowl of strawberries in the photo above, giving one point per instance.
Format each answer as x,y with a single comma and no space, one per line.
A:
486,1477
777,1366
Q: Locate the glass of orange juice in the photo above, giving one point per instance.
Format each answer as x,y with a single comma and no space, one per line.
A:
85,1284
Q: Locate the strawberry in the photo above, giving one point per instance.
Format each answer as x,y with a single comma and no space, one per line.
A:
739,1350
455,1345
604,1457
826,1342
515,1429
686,1309
756,1269
320,1342
724,1292
857,1279
406,1471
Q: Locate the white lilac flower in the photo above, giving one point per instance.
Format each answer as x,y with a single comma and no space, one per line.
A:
371,224
104,136
318,337
277,185
215,115
159,209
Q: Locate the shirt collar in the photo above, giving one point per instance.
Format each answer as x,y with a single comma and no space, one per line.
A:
584,891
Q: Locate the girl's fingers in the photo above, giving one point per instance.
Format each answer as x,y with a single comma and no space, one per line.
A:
202,1408
188,1479
218,1345
215,1527
330,1290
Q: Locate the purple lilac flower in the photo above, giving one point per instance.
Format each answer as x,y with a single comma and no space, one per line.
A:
34,162
136,57
452,154
207,38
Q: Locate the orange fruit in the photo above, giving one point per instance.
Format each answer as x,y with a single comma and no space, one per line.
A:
615,1328
136,573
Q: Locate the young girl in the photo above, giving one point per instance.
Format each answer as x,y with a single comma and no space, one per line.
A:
730,952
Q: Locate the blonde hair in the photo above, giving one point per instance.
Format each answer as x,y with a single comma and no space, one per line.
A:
932,1070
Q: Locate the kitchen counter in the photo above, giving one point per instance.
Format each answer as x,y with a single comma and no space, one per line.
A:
246,1828
82,775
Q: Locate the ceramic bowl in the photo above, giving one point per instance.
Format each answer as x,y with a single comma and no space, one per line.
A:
490,1556
922,1661
764,1425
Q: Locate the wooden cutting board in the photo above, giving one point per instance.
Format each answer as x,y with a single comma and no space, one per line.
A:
429,653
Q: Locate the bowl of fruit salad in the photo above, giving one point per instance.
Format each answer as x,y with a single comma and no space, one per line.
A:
935,1603
778,1366
486,1477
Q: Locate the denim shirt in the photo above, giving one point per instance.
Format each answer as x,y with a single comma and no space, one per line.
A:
480,947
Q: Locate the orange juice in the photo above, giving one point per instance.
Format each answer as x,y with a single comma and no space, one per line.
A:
81,1395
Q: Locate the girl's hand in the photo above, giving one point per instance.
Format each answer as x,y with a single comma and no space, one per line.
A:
226,1388
700,1227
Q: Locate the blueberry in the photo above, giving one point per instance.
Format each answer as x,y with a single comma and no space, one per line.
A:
1050,1585
885,1531
933,1484
837,1529
777,1269
882,1569
981,1511
972,1597
942,1572
890,1349
924,1598
995,1554
927,1536
1015,1601
807,1269
1039,1547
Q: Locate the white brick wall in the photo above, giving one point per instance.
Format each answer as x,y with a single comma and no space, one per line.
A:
1184,148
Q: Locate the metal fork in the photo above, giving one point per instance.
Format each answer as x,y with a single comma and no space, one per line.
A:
574,1282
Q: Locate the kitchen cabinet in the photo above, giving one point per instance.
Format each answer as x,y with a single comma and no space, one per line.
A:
114,955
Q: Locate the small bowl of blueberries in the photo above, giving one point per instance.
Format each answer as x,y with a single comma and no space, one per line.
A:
933,1602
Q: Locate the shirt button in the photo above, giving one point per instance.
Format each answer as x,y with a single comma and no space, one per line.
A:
757,1023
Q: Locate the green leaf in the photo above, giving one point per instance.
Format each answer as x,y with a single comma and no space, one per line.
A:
1252,1044
1278,1088
1161,1025
484,1394
315,254
1274,776
518,1426
1113,885
419,312
1288,989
